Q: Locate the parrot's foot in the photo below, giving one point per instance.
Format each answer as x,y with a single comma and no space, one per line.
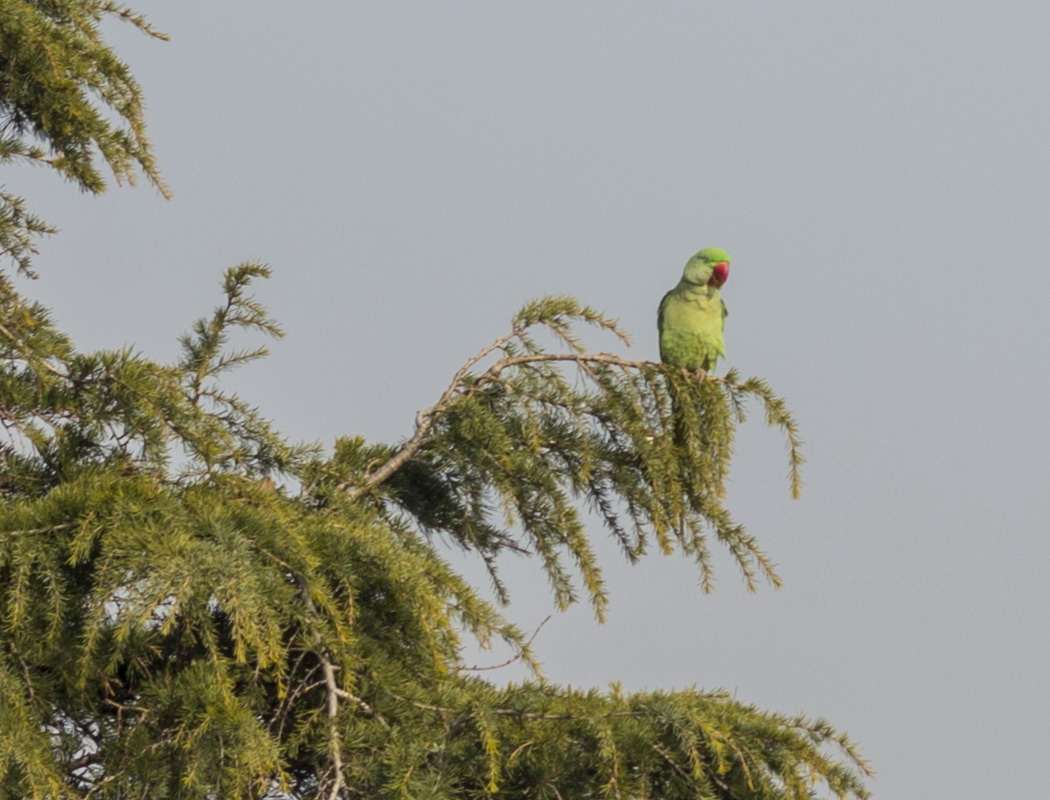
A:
699,374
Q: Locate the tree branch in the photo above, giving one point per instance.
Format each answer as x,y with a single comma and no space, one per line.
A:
333,695
21,345
426,418
335,743
517,657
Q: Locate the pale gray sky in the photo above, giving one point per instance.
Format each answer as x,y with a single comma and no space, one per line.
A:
415,171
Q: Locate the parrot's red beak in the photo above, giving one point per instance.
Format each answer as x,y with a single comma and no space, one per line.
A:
720,274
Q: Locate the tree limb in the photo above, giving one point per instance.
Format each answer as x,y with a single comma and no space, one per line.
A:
426,418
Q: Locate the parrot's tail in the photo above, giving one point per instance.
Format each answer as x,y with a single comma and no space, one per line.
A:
680,413
689,400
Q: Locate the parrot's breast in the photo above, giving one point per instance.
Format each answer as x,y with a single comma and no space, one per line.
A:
692,320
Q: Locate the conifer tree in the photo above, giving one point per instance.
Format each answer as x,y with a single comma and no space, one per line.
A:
193,607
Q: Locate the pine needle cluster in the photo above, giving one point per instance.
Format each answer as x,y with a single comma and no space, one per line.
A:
66,102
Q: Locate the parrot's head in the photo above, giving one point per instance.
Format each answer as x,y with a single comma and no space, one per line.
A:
709,267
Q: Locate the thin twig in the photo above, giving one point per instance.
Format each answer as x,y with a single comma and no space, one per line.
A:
21,345
516,657
46,529
522,714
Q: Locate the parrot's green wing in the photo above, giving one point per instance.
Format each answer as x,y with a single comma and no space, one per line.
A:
660,315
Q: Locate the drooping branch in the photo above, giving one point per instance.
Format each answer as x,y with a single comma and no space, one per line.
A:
460,387
514,451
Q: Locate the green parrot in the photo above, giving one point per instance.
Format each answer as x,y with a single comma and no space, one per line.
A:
692,315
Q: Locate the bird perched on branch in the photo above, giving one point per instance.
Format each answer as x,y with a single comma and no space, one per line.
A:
692,315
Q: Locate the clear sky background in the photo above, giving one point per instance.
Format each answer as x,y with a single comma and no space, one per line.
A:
880,173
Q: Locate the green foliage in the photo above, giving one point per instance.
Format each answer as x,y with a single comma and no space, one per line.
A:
175,625
532,739
515,452
66,101
66,408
